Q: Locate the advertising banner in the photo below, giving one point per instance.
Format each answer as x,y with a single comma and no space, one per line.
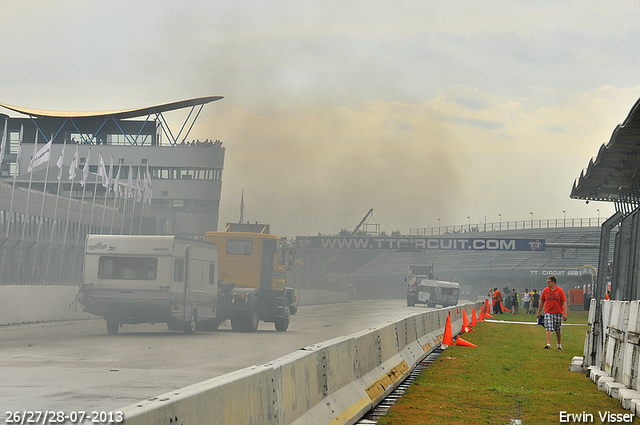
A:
419,243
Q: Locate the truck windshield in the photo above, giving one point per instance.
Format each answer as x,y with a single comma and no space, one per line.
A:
239,247
128,268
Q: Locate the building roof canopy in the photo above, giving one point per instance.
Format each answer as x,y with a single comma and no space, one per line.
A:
122,114
614,174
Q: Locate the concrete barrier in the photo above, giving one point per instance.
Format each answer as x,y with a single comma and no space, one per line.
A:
38,303
616,351
50,303
321,296
334,382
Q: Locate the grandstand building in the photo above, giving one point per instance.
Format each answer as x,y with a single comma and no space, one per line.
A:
571,253
168,183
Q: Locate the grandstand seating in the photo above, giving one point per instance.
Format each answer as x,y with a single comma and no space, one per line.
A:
476,271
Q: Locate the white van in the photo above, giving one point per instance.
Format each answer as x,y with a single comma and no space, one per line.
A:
437,292
149,279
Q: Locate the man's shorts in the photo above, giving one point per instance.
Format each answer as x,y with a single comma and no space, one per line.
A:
553,322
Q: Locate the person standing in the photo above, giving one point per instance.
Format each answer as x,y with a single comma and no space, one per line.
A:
514,302
527,300
554,304
535,301
497,302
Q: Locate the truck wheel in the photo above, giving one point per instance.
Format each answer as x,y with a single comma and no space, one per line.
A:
282,323
174,324
191,325
253,318
112,326
237,323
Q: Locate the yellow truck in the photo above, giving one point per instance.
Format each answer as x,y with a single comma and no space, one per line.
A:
252,279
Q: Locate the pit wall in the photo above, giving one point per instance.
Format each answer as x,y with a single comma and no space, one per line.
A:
334,382
613,361
49,303
38,303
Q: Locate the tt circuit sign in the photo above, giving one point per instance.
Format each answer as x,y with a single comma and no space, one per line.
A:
444,244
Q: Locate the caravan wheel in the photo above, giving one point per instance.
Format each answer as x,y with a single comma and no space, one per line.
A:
112,326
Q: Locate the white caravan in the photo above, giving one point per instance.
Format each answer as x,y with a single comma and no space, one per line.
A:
149,279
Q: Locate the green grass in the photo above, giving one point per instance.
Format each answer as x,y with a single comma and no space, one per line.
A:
507,376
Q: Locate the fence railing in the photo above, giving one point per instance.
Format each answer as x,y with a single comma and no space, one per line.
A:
507,225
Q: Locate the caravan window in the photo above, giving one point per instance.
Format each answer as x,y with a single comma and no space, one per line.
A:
128,268
178,270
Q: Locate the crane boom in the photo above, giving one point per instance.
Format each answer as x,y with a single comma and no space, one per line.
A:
366,216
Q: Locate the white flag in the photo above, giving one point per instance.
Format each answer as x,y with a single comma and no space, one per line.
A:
19,151
110,179
116,183
138,188
147,178
130,186
4,139
59,164
145,186
85,170
41,156
102,172
74,165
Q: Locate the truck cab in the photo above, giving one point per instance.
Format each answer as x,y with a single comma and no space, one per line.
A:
417,273
252,278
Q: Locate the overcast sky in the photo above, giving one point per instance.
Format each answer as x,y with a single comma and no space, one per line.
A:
421,110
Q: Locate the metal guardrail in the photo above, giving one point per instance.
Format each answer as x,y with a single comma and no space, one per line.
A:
557,223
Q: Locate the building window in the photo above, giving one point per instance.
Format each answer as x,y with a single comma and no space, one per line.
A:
122,140
14,141
81,138
175,173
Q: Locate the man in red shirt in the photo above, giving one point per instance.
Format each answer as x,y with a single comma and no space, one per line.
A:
554,303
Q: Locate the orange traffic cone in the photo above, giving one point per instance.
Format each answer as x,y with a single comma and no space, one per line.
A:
474,322
504,308
481,318
465,322
464,343
457,311
448,334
